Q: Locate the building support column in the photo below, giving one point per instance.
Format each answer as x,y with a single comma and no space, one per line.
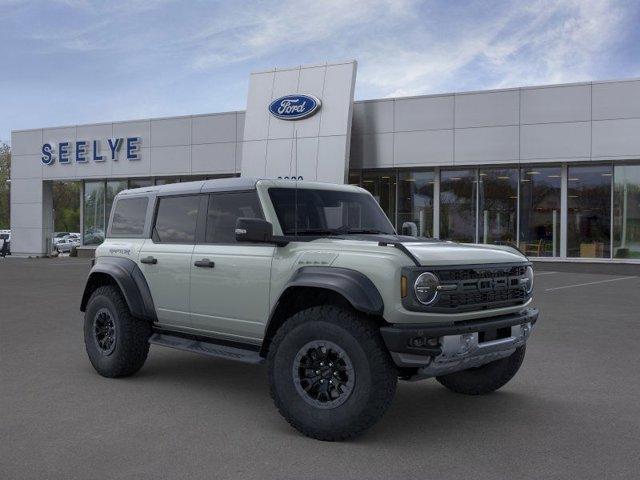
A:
564,211
436,202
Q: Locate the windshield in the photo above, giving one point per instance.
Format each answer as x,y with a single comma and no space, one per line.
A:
328,212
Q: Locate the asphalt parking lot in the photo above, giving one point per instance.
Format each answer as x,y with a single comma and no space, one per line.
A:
573,411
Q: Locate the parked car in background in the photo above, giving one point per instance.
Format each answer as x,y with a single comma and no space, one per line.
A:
57,236
65,245
5,242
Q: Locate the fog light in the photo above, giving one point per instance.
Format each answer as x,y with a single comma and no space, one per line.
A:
423,342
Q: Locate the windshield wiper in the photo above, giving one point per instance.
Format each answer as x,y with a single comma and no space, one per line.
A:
312,231
364,231
338,231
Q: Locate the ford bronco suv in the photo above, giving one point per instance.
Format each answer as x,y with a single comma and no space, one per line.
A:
312,279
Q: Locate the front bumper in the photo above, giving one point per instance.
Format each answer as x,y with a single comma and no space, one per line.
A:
441,349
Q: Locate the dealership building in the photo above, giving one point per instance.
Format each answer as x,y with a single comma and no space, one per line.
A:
554,169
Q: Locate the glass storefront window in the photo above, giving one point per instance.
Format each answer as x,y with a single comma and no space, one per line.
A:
626,208
354,177
94,209
140,182
540,193
589,211
415,203
458,205
167,180
498,205
382,185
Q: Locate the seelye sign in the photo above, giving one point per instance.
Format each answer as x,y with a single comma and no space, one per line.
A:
82,151
294,107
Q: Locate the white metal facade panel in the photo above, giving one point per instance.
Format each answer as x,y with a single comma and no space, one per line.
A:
486,145
426,113
556,104
487,109
613,100
372,117
555,141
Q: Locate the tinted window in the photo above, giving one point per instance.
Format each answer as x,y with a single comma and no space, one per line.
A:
176,219
129,215
308,212
224,210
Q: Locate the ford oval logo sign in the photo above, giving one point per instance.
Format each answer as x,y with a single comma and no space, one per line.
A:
294,107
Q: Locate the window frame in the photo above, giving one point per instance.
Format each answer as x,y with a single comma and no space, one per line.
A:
203,217
155,218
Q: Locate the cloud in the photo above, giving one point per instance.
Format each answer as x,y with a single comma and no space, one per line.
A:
540,42
258,31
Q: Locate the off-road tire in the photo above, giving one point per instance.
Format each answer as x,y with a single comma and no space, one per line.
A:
487,378
131,335
375,374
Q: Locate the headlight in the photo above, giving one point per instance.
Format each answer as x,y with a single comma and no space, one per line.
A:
528,276
426,288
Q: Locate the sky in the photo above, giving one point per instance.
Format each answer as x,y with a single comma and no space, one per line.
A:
80,61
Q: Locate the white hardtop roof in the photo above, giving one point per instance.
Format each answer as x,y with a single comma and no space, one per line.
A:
231,184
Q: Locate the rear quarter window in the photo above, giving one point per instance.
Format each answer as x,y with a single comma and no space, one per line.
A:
176,219
129,216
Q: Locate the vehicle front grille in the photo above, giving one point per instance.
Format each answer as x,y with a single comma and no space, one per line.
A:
481,287
480,273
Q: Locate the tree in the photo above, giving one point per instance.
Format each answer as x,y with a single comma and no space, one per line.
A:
5,168
66,202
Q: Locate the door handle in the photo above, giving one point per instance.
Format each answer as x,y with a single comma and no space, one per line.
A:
204,263
149,260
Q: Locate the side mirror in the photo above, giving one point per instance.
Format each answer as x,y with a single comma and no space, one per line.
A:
410,229
254,230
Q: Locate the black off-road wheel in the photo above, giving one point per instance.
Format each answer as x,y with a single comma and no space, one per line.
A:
116,342
330,374
486,378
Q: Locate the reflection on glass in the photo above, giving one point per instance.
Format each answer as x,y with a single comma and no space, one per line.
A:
167,180
140,182
113,188
458,205
354,177
415,203
93,219
589,211
540,211
626,207
498,205
382,185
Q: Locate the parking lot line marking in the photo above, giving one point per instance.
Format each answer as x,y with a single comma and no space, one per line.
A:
589,283
544,273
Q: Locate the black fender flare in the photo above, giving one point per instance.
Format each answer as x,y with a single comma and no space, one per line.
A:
352,285
126,273
356,287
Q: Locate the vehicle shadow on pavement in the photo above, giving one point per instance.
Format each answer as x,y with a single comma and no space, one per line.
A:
418,409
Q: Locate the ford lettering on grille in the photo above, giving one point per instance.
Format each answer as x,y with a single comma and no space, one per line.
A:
294,107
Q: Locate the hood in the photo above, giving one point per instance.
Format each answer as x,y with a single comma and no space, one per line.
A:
449,253
430,251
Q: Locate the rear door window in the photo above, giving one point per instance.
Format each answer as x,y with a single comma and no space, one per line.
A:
176,219
129,216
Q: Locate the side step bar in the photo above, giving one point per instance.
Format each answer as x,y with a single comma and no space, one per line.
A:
206,348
